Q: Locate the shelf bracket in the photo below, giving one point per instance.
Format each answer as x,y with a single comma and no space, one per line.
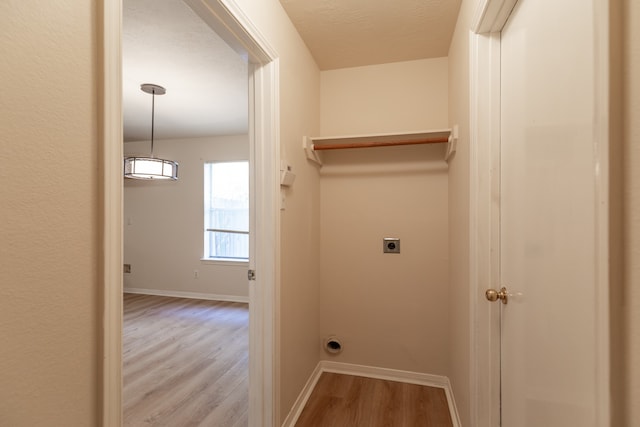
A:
314,156
453,143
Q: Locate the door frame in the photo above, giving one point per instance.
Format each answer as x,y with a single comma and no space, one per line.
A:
229,21
484,79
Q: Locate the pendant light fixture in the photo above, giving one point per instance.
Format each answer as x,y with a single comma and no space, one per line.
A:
150,167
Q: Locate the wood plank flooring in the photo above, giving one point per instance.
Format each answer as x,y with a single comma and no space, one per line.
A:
185,362
350,401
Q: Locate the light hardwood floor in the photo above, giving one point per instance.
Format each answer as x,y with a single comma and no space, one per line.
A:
185,362
350,401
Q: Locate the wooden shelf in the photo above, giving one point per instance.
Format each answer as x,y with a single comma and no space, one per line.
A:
314,144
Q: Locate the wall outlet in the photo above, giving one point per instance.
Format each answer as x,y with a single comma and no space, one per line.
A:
127,268
196,274
391,245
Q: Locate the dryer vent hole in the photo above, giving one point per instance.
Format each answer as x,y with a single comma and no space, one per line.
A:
332,345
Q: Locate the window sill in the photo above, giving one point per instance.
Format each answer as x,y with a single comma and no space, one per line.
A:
225,261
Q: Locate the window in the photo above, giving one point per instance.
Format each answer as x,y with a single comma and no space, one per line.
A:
226,211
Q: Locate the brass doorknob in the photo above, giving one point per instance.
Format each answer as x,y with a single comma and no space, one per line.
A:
493,295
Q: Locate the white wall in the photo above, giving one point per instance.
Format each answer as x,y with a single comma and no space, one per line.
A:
164,223
297,299
49,214
389,310
631,211
459,208
400,96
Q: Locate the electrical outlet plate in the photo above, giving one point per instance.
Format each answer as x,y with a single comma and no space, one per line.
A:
391,245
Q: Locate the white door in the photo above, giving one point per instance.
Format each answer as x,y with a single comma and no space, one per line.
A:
550,257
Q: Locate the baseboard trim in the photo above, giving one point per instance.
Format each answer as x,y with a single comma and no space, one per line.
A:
182,294
303,397
419,378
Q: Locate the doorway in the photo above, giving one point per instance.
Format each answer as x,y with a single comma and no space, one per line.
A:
201,120
548,245
540,214
235,28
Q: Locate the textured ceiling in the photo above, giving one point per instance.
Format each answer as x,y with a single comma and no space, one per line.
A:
166,43
350,33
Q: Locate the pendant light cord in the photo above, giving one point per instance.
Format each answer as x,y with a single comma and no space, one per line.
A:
153,114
